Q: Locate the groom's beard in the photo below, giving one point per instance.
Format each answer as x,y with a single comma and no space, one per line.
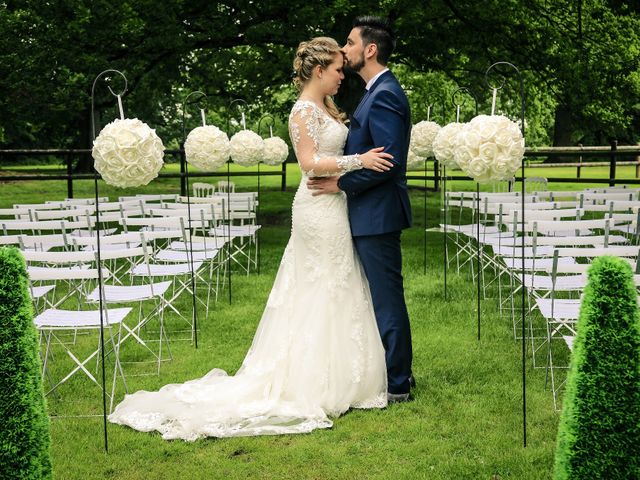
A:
355,66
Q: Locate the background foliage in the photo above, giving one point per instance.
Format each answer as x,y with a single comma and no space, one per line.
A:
579,58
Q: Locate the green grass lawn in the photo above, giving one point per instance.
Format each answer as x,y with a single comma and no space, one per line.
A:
465,421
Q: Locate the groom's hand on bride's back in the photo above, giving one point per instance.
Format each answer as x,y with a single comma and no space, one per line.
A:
322,185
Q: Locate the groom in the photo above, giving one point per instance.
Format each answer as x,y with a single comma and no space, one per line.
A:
379,207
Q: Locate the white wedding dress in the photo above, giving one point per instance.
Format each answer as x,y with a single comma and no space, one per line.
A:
317,351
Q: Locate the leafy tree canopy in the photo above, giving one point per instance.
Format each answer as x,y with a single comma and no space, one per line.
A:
579,62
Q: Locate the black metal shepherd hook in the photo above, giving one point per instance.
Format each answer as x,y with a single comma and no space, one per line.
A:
468,92
234,102
478,251
430,104
522,167
444,201
199,101
265,118
101,298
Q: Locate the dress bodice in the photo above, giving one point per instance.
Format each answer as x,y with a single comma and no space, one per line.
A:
328,134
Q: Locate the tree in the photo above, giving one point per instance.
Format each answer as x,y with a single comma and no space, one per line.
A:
54,50
579,60
24,424
600,422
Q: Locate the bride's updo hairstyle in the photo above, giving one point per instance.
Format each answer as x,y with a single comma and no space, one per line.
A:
317,51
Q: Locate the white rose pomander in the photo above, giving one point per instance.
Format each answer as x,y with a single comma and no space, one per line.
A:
414,162
489,148
444,145
276,151
246,148
207,148
422,136
128,153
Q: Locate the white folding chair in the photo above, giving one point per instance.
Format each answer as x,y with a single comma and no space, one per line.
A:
179,277
56,325
201,189
225,186
140,294
44,243
121,241
49,226
536,184
201,250
71,283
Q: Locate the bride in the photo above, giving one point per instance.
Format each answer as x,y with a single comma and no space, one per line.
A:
317,351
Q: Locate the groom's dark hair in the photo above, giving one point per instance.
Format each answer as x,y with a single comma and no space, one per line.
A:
377,30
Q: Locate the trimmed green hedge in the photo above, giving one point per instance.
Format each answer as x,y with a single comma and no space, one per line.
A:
599,432
24,424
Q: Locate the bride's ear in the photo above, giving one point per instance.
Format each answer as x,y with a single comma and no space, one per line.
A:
317,70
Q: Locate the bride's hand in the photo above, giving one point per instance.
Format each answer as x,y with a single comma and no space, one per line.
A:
375,159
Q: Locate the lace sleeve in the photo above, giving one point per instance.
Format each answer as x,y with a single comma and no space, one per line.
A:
304,125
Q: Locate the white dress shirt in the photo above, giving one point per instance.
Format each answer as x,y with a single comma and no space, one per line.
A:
373,80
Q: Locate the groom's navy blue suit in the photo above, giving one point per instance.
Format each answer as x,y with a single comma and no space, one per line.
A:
379,210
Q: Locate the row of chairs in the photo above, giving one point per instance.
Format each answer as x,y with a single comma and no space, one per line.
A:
237,211
136,272
562,233
150,246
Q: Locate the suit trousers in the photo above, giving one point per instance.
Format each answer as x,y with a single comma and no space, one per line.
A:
381,258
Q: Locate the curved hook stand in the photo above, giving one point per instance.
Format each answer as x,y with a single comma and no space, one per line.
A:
198,101
265,118
453,96
444,208
522,167
93,89
232,103
439,99
184,187
235,102
185,167
469,93
101,298
522,97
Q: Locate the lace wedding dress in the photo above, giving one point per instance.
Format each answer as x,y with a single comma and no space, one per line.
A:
317,351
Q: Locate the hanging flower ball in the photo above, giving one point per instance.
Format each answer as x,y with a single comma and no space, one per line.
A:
444,145
276,151
128,153
414,161
207,148
489,148
422,136
246,148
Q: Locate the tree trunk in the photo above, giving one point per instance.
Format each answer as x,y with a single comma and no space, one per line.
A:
562,130
563,127
84,163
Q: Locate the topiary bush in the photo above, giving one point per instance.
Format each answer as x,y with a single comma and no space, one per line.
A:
24,424
599,432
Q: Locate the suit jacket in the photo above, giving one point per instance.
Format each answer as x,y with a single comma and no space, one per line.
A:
379,201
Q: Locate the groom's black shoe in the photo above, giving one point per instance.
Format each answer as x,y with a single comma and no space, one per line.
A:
398,397
412,381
